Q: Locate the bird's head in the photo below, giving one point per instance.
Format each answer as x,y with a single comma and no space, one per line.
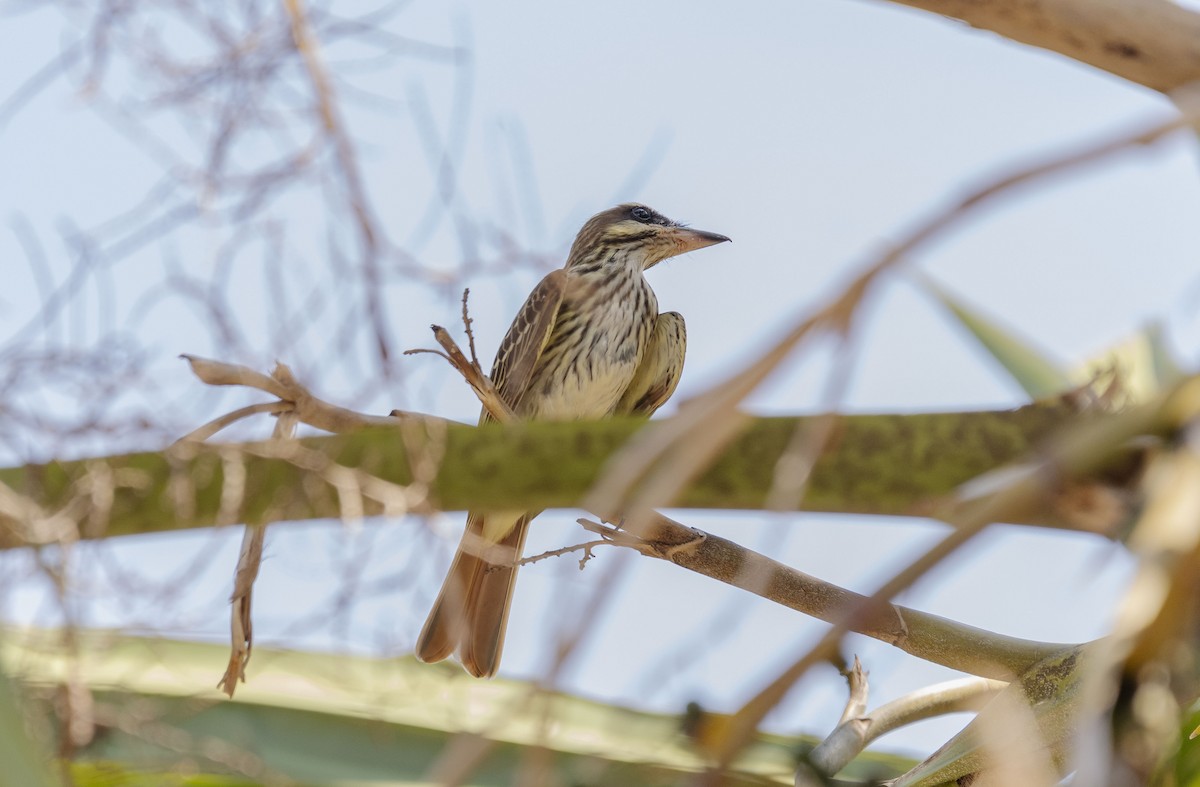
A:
635,234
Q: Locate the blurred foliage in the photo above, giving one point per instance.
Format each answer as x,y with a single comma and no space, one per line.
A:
21,762
322,719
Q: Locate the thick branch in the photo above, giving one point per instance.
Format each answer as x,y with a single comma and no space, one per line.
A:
878,464
1155,43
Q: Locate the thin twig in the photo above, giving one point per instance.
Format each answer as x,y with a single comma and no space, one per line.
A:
466,318
586,546
241,628
614,535
348,166
480,383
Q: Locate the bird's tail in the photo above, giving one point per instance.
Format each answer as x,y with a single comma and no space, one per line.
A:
471,610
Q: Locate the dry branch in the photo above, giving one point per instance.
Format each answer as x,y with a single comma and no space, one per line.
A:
929,637
308,408
857,732
241,627
469,368
1155,43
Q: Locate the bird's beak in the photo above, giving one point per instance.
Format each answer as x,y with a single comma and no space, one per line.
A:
687,239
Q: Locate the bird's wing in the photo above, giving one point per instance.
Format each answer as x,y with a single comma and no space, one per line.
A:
656,376
526,338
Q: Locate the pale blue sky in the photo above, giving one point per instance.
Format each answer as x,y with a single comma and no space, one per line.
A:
810,133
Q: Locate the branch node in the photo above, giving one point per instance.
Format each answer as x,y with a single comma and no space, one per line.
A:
671,551
586,547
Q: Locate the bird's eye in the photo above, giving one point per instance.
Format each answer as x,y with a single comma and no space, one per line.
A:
641,214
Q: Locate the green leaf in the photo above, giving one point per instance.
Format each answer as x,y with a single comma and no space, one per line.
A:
1032,369
1138,367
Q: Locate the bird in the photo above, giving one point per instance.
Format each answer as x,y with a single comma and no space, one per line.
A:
588,343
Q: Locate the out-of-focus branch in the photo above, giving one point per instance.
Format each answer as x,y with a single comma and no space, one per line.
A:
368,231
1150,42
1142,682
241,627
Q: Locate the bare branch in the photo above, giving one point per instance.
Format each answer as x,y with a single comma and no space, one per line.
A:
586,547
369,240
917,633
1150,42
308,408
470,370
856,733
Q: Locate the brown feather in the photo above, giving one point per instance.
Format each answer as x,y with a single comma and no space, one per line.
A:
526,338
489,603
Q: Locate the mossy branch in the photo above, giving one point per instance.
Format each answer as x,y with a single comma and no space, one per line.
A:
878,464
